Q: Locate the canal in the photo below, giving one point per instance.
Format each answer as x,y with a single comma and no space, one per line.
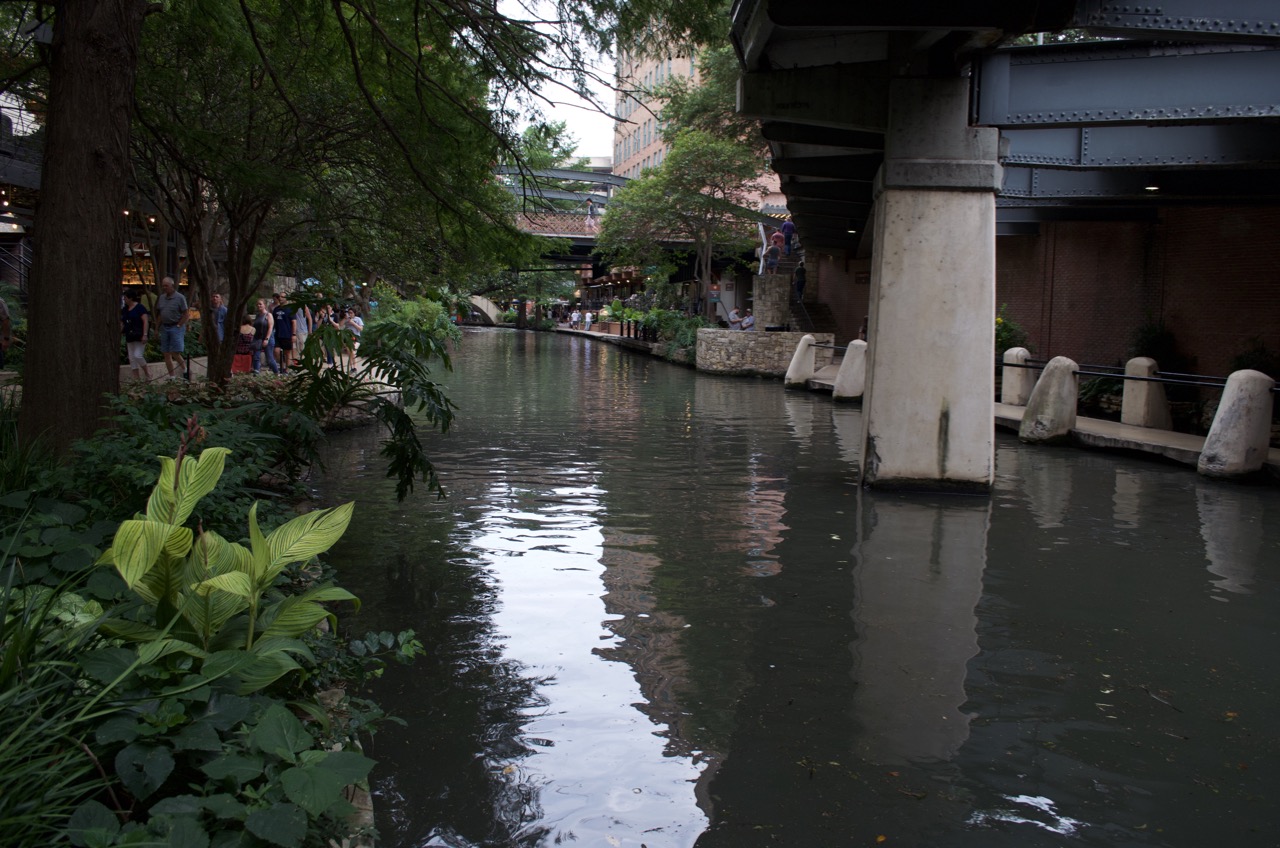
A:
659,612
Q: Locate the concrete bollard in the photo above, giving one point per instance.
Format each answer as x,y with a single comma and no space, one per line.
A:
851,379
1051,409
1016,383
1238,439
803,364
1145,404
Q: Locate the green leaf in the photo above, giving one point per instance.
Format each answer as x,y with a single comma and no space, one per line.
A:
307,535
199,479
313,788
241,768
281,824
119,728
92,824
235,583
349,766
226,711
225,806
198,736
151,652
176,805
107,664
136,548
129,631
181,831
143,768
280,733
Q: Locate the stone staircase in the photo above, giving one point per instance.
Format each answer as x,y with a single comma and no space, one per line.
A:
813,317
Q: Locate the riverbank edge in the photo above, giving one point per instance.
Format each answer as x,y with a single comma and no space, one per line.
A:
1090,433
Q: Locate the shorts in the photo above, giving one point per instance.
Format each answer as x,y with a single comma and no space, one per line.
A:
301,339
284,343
173,339
137,354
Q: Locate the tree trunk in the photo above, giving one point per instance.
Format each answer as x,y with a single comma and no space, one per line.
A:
80,230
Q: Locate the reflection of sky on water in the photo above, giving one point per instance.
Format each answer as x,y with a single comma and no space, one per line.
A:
594,768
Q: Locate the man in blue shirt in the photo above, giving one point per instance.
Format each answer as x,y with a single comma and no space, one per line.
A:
284,329
218,312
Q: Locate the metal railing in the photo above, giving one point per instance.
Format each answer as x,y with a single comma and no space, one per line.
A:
1116,372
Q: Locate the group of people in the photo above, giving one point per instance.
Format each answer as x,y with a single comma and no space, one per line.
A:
580,320
741,320
276,329
780,244
169,326
280,331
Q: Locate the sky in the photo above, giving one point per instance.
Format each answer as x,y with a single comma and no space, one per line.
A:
593,131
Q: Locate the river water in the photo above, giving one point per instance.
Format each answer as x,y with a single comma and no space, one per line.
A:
659,612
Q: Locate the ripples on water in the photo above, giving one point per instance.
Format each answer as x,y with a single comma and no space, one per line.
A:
659,612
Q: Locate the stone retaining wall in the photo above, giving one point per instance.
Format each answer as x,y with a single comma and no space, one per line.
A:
755,352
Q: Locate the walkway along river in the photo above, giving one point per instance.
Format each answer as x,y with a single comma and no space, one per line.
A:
659,612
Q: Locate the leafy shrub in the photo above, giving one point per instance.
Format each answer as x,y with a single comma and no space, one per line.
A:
1009,333
47,713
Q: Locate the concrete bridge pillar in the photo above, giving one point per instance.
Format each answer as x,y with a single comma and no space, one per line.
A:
930,379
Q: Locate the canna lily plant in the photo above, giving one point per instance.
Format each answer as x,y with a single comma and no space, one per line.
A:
212,599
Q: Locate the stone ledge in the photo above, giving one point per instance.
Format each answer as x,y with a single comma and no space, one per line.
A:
753,352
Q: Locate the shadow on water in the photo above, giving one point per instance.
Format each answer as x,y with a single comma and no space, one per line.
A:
659,612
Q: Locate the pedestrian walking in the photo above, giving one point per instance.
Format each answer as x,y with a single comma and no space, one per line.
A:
173,313
283,320
262,339
135,324
218,315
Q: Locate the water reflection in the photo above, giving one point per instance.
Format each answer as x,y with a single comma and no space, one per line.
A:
917,579
660,612
1233,530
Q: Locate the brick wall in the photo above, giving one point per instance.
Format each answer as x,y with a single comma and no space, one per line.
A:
1082,289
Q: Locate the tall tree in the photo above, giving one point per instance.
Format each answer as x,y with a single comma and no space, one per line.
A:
93,64
73,324
698,204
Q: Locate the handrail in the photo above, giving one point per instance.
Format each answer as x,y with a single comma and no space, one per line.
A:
1119,375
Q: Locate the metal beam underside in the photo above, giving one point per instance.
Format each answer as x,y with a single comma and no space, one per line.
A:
557,194
788,133
1221,145
854,167
1220,19
1224,186
1015,16
562,174
1117,83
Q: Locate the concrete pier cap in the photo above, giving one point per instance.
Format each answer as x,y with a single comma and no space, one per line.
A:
1237,442
1051,409
1016,382
803,364
851,379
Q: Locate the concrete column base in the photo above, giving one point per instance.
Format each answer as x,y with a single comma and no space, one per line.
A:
1237,442
1051,409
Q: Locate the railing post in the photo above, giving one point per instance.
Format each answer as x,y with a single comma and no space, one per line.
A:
1016,383
1144,404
